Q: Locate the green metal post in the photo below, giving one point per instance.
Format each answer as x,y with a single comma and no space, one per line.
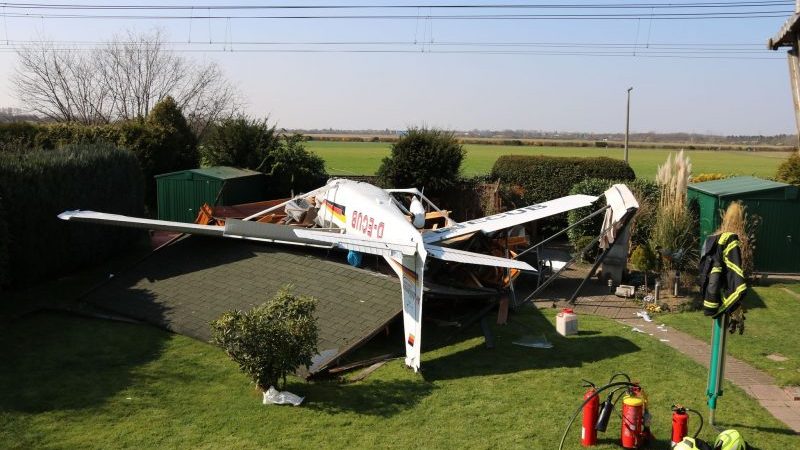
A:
716,369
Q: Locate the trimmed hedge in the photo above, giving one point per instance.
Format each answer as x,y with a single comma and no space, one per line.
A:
36,186
535,179
162,143
647,194
3,246
526,180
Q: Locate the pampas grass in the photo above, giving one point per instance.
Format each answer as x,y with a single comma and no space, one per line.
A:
674,230
735,219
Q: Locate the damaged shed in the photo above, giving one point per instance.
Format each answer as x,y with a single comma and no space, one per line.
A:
182,193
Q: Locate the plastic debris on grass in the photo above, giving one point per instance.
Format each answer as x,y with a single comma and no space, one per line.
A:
533,342
276,397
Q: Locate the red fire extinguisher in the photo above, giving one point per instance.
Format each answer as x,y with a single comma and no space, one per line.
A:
680,424
632,435
590,410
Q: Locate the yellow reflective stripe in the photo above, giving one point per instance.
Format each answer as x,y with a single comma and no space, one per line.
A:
708,304
716,270
723,238
734,267
734,295
728,262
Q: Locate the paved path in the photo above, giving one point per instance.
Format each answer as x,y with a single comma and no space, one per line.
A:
759,385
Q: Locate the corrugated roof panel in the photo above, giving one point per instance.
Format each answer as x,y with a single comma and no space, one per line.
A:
224,172
736,185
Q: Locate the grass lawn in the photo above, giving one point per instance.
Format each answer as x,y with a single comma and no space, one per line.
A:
364,158
69,382
769,328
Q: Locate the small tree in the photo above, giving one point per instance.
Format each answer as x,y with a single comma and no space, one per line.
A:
239,142
643,259
292,168
424,158
789,170
271,340
179,136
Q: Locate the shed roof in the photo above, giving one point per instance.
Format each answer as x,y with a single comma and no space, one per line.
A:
736,185
218,172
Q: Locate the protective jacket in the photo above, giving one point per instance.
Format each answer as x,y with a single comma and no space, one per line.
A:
721,278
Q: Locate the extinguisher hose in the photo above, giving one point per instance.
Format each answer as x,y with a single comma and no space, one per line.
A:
699,416
587,400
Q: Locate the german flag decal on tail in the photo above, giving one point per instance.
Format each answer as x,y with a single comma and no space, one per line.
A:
411,340
336,210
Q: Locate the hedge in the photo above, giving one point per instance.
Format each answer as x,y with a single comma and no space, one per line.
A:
647,194
36,186
541,178
534,179
162,143
3,246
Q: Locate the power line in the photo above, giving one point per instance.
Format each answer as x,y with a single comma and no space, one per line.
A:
622,5
619,16
639,53
663,45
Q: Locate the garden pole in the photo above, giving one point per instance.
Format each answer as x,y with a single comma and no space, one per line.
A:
716,369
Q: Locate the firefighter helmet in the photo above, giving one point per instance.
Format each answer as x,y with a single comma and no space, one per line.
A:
730,440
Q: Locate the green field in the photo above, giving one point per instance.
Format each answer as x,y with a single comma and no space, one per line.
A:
69,382
364,158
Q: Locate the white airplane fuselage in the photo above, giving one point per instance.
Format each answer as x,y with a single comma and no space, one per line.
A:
365,211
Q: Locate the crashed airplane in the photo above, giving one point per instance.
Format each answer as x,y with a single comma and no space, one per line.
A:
391,223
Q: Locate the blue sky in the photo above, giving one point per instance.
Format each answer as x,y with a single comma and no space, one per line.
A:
583,91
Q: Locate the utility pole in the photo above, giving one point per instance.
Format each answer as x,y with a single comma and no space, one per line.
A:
628,122
789,36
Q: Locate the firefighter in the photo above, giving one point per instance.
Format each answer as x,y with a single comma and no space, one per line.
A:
722,281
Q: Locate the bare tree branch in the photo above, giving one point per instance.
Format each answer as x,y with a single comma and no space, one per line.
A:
121,81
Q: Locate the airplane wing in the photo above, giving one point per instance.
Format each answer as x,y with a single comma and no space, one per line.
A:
510,218
233,228
461,256
346,242
138,222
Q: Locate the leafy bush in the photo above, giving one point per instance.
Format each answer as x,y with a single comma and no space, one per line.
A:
535,179
789,170
646,193
424,158
271,340
239,142
39,185
253,144
290,168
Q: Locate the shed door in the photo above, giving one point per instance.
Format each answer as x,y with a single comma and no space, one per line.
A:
778,236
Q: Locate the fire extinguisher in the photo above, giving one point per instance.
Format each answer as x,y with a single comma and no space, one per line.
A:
680,424
590,412
632,435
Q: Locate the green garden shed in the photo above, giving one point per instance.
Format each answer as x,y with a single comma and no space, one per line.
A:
777,204
182,193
